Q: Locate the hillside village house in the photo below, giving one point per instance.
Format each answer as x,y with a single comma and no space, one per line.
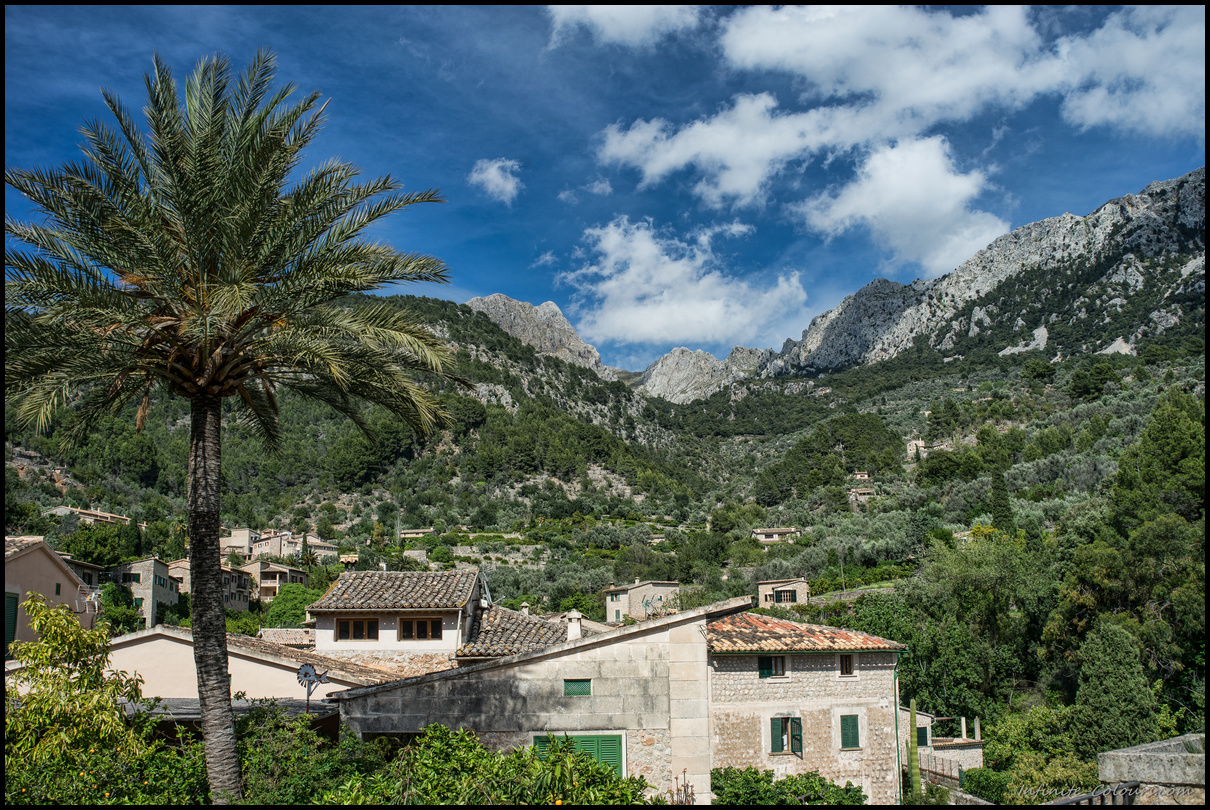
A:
641,600
91,516
422,621
775,534
30,565
267,578
151,583
674,697
784,592
237,584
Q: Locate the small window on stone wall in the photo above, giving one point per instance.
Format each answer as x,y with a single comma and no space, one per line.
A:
577,688
848,666
771,666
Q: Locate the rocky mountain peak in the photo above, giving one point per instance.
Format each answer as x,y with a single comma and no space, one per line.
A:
544,327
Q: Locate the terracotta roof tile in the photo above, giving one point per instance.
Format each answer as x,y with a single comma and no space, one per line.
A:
751,632
499,631
321,662
14,544
398,590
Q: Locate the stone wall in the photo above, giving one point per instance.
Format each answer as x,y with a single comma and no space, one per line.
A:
1169,771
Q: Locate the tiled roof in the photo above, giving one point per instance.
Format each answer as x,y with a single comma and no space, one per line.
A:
499,631
290,636
398,590
14,544
751,632
321,662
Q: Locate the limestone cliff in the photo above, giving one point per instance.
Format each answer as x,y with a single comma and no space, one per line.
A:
545,328
1123,240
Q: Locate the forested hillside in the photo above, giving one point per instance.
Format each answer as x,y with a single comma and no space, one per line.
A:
1049,515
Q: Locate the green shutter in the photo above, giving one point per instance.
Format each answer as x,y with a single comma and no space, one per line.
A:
796,735
775,732
577,688
606,749
922,736
764,664
609,752
850,736
10,621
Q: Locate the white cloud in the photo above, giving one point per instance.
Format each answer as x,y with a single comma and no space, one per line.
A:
600,187
736,150
622,25
569,196
546,258
915,203
1143,71
647,287
498,178
877,75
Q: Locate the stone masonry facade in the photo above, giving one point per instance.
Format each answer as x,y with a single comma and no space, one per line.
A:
743,706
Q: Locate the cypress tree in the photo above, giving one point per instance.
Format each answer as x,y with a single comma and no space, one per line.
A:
1114,705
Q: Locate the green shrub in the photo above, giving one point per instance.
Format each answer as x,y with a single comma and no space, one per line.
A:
987,784
748,786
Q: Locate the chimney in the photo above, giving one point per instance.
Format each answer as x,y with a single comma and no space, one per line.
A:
525,608
964,728
636,580
574,629
978,731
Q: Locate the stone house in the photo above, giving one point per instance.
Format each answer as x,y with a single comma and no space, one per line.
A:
793,698
240,541
783,592
30,565
237,584
641,600
674,696
152,584
267,578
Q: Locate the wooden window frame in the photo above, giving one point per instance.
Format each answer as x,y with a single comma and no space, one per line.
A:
369,628
791,596
785,736
771,666
408,628
847,666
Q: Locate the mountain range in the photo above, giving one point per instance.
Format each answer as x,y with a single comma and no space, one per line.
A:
1129,272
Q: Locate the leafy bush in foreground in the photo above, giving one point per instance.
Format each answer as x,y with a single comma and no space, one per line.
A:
749,786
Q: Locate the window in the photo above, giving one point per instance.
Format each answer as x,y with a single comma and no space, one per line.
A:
604,748
847,669
356,629
138,602
771,666
786,596
617,615
922,736
850,731
577,688
419,629
785,735
58,588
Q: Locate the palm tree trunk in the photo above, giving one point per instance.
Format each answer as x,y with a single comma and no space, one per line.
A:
209,620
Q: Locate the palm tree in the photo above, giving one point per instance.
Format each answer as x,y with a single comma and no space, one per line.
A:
187,259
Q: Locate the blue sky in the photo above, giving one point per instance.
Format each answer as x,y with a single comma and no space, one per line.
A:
677,176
